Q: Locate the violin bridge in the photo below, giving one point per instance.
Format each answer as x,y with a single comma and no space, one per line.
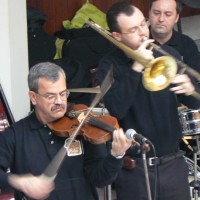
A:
81,117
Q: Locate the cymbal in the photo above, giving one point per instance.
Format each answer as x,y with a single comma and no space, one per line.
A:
191,3
86,90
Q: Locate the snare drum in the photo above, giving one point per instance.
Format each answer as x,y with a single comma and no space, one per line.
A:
190,122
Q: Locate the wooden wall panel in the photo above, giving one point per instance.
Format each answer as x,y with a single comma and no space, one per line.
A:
59,10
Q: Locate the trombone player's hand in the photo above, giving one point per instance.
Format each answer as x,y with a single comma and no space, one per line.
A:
146,53
183,85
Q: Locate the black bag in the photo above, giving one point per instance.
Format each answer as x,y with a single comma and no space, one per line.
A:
41,46
84,44
77,77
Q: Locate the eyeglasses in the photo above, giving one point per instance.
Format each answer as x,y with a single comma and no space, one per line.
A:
136,29
53,97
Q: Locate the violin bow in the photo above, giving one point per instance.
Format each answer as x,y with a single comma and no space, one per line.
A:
53,167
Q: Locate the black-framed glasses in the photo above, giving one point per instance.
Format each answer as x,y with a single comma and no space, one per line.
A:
136,29
53,97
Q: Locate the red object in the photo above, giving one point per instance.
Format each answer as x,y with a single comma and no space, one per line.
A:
6,195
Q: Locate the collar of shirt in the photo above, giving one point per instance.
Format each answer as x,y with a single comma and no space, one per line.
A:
34,122
173,41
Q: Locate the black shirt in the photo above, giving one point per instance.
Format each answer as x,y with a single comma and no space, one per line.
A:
29,146
187,49
153,114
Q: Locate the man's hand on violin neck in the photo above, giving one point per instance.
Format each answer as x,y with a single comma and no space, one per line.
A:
120,143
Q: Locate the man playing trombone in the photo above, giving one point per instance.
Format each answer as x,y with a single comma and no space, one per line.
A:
151,113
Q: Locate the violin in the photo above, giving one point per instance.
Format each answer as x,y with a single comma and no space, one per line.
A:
96,129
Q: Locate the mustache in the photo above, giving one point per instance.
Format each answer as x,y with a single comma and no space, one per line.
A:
57,106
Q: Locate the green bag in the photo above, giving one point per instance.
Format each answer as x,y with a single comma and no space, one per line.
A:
87,11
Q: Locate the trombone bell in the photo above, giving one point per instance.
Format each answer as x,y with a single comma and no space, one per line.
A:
159,72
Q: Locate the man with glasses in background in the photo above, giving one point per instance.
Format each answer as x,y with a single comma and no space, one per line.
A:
153,114
28,146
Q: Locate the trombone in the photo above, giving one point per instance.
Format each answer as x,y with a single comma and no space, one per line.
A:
158,72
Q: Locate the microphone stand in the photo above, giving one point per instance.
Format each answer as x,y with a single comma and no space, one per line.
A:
146,171
107,192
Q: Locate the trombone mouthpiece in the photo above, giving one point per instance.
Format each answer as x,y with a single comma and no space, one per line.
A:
150,45
145,38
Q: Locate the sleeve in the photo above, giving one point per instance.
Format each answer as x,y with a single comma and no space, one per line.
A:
120,96
191,57
101,168
191,102
192,60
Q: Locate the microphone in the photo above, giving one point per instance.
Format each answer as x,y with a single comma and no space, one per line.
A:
131,134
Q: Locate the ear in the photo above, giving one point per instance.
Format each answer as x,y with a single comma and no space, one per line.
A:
117,36
32,97
177,18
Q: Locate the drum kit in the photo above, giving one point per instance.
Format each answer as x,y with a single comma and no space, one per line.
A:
190,123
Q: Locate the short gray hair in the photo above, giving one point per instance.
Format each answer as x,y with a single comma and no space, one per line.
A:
48,70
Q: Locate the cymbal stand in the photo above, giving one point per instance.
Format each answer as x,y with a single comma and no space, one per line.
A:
195,183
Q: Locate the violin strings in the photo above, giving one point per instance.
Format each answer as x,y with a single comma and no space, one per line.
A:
100,124
105,86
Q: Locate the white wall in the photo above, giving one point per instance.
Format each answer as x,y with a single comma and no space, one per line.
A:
190,26
14,56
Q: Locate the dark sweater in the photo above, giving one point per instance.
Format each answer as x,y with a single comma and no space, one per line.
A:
153,114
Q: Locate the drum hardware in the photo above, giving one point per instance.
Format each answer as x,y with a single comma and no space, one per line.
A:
187,144
190,122
190,164
195,184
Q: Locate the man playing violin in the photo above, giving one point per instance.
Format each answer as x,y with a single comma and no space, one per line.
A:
28,146
153,114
